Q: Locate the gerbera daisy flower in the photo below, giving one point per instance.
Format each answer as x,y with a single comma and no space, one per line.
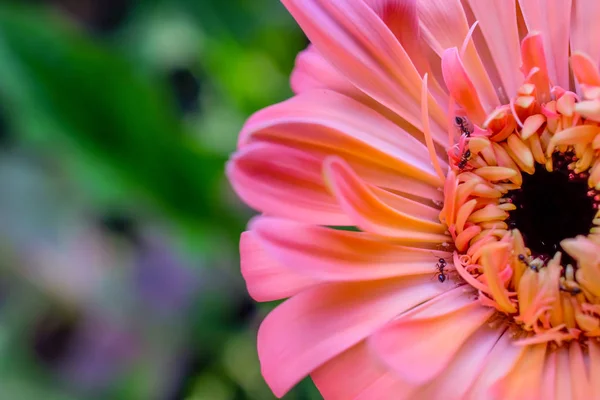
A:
461,140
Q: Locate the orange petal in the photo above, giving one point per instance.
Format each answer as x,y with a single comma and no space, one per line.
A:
485,191
495,173
448,213
552,19
585,30
589,109
582,134
584,68
522,152
478,144
488,213
504,160
536,149
369,213
531,125
462,241
596,142
494,259
406,204
532,51
465,190
566,104
463,213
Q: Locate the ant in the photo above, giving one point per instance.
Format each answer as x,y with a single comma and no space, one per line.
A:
441,265
572,290
465,154
460,153
463,125
464,159
522,258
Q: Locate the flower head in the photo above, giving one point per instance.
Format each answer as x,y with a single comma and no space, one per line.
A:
462,140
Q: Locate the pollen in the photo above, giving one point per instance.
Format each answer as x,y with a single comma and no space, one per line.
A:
523,209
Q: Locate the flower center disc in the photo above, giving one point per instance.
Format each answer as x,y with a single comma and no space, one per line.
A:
521,204
551,207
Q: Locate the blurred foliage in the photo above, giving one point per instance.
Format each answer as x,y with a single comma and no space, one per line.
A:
96,98
120,277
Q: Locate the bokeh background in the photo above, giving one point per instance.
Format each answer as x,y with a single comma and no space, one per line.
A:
119,274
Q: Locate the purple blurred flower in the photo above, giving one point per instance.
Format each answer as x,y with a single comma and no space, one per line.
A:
164,281
99,351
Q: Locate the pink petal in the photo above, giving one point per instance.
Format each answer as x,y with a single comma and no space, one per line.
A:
354,39
326,254
548,388
580,382
594,357
400,343
285,182
370,214
564,381
498,364
457,379
552,19
444,25
328,121
357,374
525,379
266,279
313,72
320,323
498,22
461,87
585,30
402,19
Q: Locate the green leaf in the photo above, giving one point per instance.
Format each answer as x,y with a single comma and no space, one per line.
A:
59,84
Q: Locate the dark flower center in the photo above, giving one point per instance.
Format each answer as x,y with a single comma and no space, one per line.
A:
552,206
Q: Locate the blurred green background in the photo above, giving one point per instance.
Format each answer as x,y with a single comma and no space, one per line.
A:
119,275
